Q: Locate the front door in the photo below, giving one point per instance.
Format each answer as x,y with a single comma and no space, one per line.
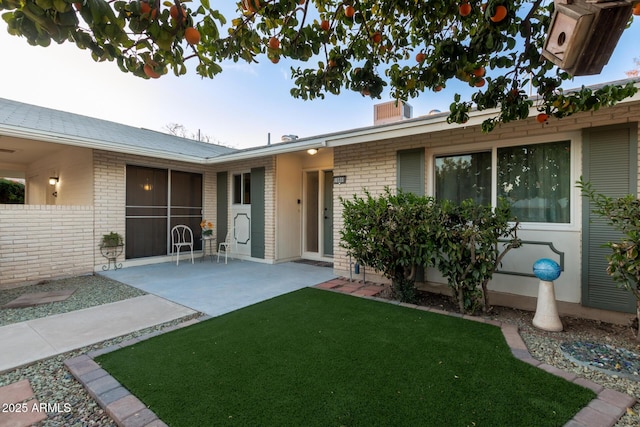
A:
241,212
317,236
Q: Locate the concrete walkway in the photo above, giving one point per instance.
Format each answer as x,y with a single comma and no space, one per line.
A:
217,288
174,292
37,339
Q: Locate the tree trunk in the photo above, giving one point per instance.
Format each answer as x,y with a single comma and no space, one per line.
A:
461,299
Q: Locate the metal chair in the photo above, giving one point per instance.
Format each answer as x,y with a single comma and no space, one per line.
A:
226,245
181,236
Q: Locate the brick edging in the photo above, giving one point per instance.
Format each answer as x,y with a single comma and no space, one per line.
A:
124,408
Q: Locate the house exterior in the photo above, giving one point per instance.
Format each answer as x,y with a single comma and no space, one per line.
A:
281,203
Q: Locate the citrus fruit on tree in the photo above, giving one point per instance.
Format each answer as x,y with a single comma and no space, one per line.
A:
499,13
192,35
464,9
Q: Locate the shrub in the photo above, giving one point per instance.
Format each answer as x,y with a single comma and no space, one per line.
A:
467,237
392,234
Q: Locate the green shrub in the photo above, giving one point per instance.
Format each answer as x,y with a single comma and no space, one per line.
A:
467,237
392,234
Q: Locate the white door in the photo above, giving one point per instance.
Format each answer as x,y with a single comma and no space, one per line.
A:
241,212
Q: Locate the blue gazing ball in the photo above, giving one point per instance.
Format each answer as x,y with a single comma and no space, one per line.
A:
546,269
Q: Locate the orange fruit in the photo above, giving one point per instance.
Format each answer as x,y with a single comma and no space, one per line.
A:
325,25
349,11
275,59
479,72
636,9
464,9
332,63
420,57
437,88
376,37
274,43
542,117
499,14
479,83
192,35
150,72
174,12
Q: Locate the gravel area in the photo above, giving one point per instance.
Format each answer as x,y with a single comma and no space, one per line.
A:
53,384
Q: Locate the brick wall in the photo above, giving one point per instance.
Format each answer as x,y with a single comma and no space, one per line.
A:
372,165
39,242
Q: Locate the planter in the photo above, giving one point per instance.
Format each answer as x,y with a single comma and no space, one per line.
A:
111,253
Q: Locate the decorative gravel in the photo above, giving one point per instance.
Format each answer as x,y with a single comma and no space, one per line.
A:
90,291
52,383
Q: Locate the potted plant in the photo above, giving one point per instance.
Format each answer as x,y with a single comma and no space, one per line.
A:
111,246
207,229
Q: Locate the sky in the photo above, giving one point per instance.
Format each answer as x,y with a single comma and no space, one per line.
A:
242,107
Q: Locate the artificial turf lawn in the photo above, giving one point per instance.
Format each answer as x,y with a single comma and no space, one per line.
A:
318,358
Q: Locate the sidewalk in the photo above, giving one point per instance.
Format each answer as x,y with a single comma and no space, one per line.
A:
42,338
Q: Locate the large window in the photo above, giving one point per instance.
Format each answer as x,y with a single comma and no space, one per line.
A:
535,179
462,177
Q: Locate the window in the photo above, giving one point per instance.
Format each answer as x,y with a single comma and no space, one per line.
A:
461,177
241,189
536,181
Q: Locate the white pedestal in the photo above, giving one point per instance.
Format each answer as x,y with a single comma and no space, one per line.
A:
546,317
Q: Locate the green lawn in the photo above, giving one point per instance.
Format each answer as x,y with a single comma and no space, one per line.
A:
318,358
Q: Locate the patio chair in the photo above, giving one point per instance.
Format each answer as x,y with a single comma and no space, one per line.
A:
226,245
181,237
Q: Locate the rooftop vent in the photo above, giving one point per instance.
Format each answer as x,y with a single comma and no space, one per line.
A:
288,138
392,111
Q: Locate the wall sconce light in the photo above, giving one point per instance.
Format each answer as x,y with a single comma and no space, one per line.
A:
312,151
53,180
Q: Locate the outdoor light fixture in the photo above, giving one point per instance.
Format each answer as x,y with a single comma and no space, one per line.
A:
53,180
312,151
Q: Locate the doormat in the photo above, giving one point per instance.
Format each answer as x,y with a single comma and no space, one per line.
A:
29,300
316,263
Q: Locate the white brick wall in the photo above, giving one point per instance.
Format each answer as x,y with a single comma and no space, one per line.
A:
39,242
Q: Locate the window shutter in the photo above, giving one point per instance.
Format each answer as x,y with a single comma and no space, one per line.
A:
257,212
411,171
608,166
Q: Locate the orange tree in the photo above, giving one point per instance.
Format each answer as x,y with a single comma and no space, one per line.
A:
360,45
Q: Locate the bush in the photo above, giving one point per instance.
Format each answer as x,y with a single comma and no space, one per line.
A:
11,192
392,234
468,254
396,234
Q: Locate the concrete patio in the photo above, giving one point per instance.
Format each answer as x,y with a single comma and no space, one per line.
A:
217,288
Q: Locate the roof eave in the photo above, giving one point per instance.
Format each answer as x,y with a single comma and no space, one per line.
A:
95,144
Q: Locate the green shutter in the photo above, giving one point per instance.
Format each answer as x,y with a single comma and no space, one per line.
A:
411,180
222,207
257,212
411,171
608,163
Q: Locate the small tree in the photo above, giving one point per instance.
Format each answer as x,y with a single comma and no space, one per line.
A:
468,251
623,214
11,192
392,234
